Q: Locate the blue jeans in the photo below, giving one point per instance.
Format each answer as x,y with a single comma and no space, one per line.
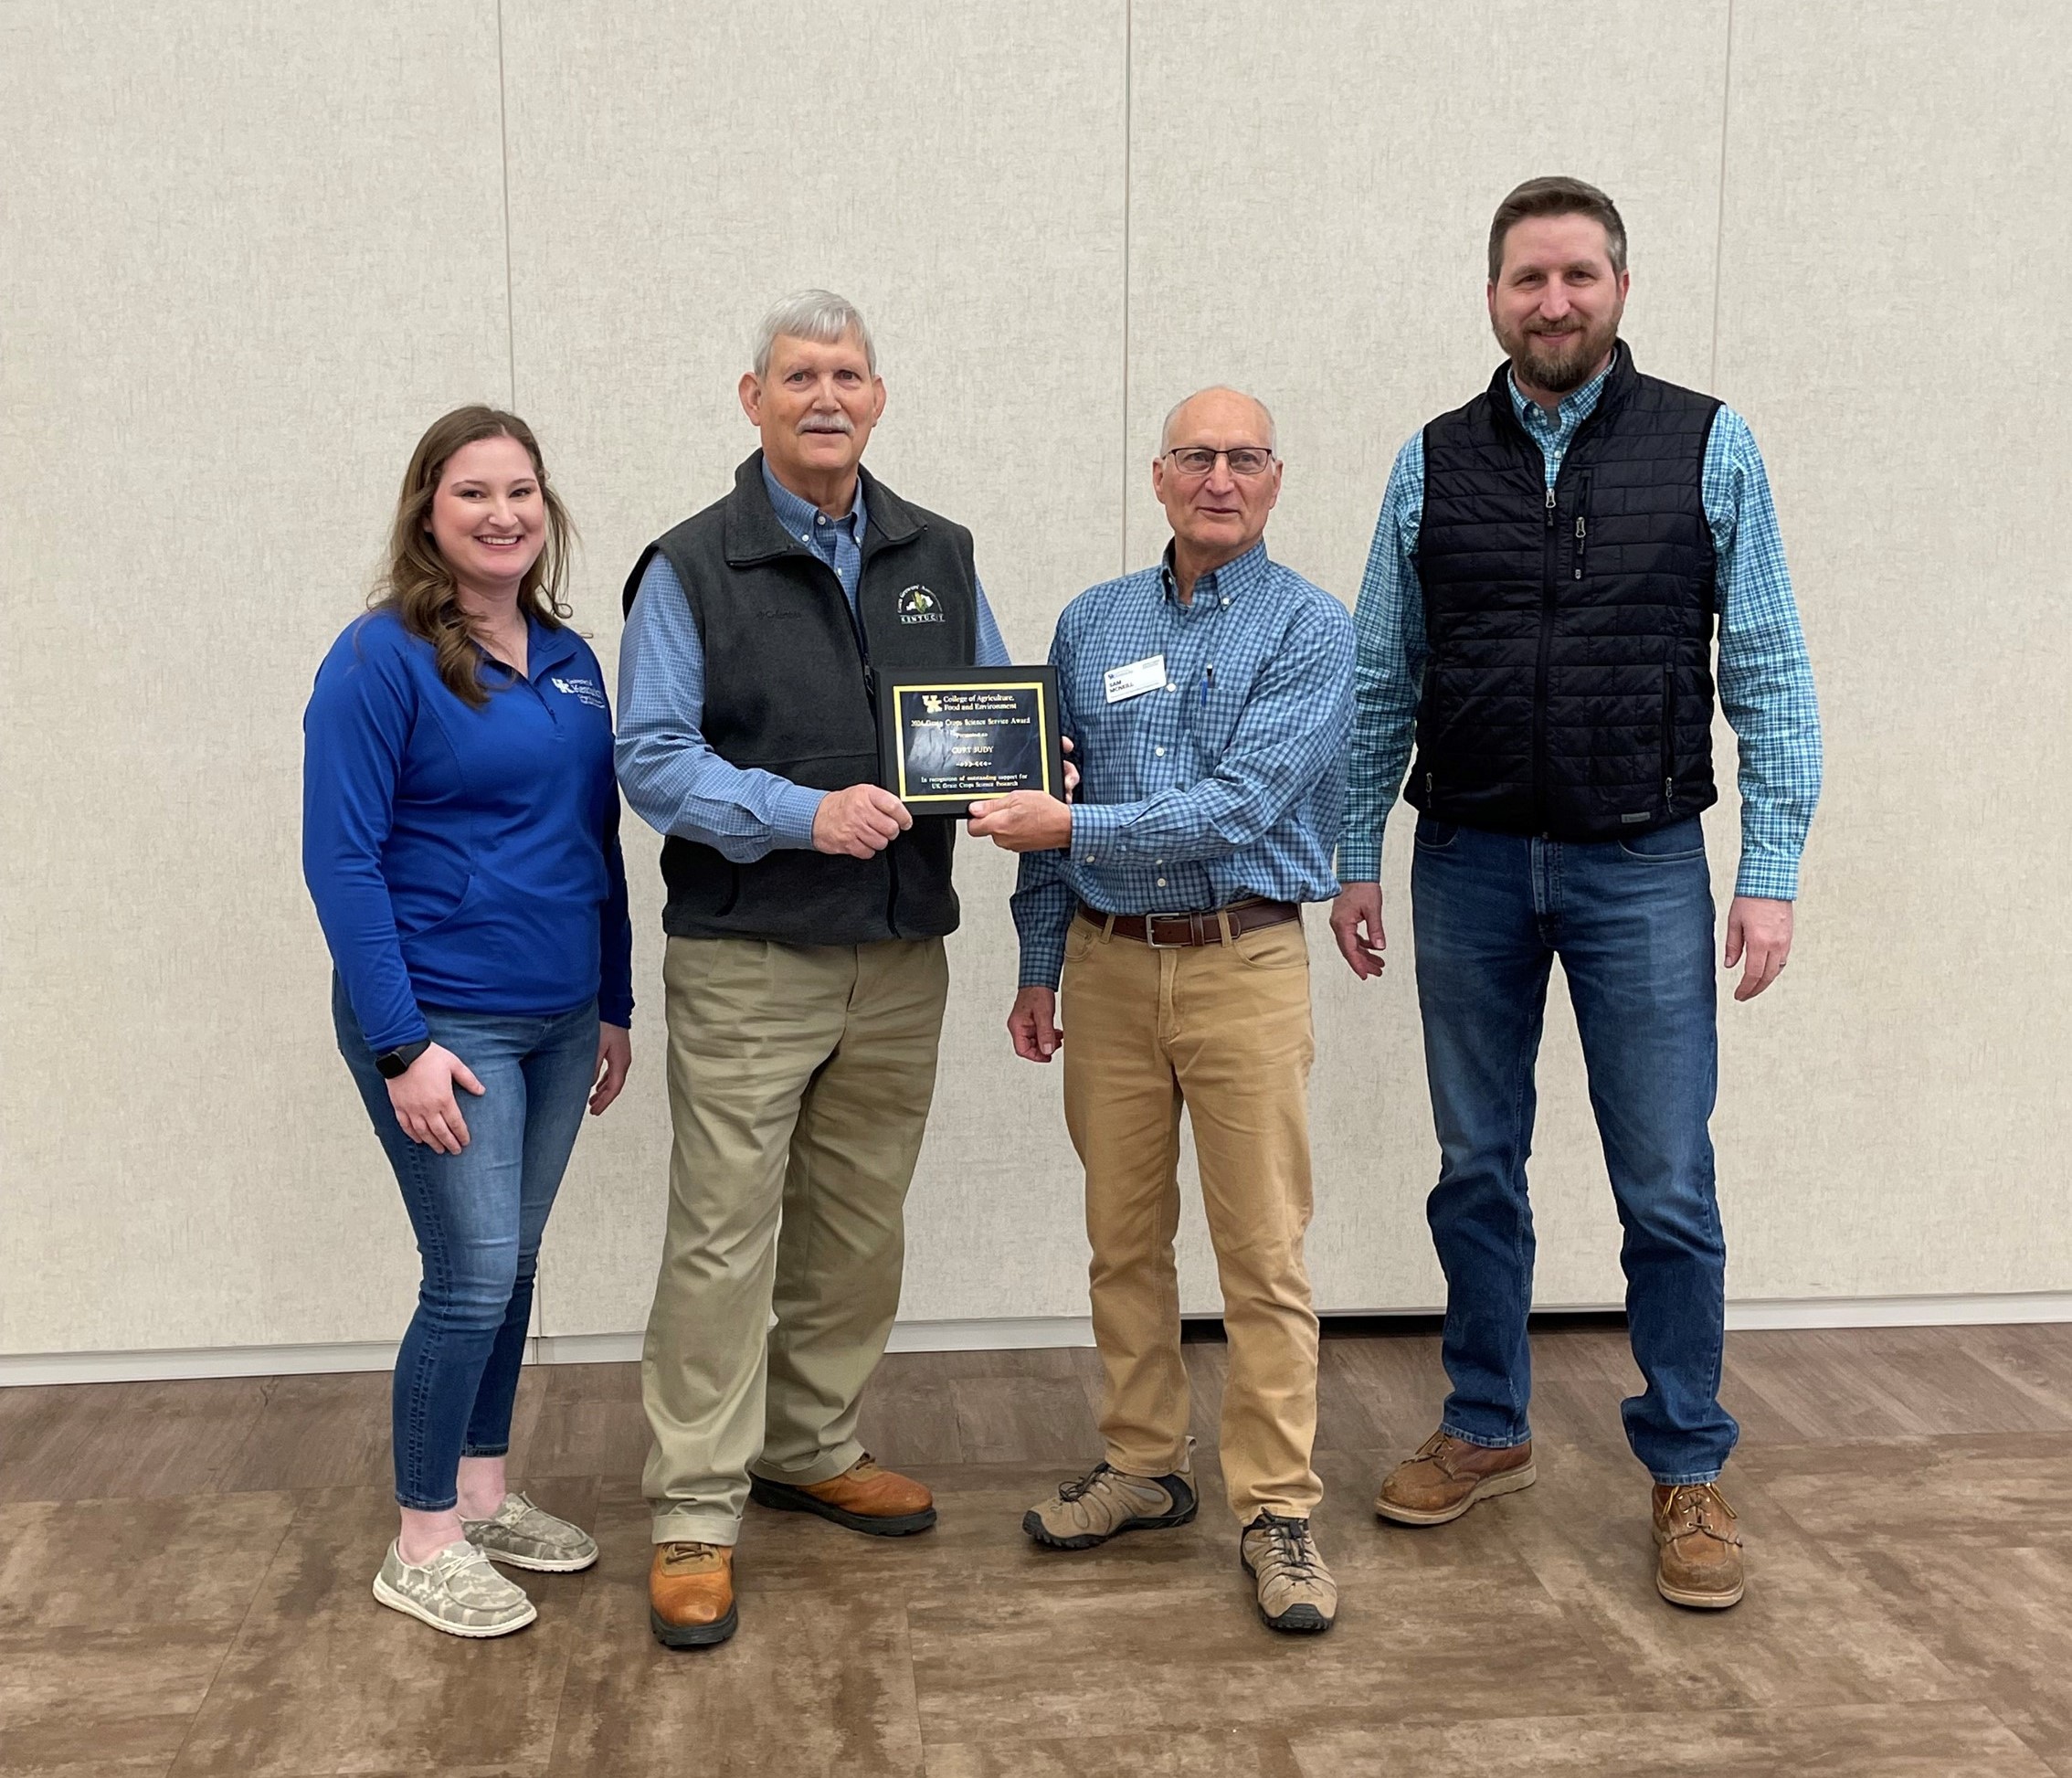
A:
478,1216
1632,922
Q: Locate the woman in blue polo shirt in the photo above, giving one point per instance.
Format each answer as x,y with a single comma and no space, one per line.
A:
460,841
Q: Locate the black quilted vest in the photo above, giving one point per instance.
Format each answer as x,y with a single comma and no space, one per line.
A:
790,689
1569,688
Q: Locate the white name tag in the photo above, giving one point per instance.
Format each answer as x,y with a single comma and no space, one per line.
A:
1133,680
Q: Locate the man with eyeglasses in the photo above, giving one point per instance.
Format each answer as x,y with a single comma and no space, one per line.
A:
1537,617
1208,700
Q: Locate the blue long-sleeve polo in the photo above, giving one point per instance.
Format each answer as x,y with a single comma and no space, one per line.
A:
461,857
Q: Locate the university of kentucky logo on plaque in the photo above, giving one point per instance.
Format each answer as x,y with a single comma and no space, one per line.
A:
918,605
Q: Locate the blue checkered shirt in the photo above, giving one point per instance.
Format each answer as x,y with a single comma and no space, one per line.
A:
672,778
1226,781
1765,679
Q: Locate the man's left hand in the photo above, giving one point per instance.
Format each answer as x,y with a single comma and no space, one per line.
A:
1761,931
1022,821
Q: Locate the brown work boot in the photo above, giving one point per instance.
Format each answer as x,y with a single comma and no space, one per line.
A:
1701,1549
1106,1501
691,1594
1297,1592
1448,1475
864,1498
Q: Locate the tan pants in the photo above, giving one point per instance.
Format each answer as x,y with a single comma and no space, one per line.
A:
799,1078
1224,1030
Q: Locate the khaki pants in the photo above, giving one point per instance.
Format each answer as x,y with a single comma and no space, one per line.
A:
1225,1029
799,1078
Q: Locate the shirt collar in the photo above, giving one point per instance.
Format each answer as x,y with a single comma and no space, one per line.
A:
1223,583
1575,408
801,518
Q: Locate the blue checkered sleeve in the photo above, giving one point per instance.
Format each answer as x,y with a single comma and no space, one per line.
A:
1766,685
1388,669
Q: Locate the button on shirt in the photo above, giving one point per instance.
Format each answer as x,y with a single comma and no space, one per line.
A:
670,775
1222,780
1765,679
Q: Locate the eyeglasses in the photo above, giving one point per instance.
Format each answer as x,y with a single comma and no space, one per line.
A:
1244,460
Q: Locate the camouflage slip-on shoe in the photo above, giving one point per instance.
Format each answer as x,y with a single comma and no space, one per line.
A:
456,1590
527,1536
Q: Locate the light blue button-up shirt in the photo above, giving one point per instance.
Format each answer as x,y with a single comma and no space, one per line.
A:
672,778
1224,780
1766,684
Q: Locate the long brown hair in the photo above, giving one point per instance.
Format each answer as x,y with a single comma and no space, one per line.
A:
418,587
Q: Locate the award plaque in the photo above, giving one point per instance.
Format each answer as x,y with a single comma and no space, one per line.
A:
947,736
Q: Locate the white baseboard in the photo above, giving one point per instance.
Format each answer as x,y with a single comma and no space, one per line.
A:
997,1334
2015,1306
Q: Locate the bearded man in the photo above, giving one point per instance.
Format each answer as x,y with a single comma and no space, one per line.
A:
1538,612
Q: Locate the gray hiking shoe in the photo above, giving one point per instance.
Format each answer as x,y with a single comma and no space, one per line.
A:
525,1537
456,1590
1104,1502
1297,1592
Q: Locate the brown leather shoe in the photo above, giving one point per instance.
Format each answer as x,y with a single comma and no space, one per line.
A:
1701,1549
1448,1475
691,1594
864,1498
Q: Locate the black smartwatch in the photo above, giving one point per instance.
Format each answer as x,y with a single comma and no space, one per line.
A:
394,1064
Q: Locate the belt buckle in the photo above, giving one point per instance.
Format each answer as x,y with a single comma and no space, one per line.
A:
1150,929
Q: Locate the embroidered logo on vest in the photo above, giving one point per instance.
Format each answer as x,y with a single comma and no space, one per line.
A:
917,605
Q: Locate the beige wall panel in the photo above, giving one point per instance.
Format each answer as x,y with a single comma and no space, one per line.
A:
959,172
1897,250
245,254
1309,200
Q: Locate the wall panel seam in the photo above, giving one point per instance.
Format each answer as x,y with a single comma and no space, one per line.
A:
1129,126
503,156
1719,223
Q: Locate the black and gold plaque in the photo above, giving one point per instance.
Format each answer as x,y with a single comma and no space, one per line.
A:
947,736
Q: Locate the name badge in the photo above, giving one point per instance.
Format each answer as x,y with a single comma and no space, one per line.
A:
1139,677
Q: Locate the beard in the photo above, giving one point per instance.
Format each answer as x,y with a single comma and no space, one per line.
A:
1560,363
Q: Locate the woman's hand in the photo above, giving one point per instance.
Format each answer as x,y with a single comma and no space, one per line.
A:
424,1101
614,1057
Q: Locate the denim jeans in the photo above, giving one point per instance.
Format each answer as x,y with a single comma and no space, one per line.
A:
1632,922
478,1216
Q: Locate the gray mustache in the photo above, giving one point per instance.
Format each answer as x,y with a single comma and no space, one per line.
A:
828,423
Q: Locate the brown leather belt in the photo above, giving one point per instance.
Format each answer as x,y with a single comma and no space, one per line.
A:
1164,931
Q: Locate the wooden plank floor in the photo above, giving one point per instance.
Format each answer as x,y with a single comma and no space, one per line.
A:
183,1573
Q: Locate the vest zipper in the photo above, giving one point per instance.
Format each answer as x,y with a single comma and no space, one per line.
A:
1541,671
871,697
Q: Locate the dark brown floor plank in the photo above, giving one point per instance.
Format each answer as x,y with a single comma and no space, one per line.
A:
81,1703
1209,1753
1883,1382
315,1431
92,1441
188,1565
588,1421
1885,1740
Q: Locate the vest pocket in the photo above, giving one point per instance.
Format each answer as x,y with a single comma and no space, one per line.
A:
1668,735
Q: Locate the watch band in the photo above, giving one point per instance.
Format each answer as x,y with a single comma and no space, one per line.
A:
394,1064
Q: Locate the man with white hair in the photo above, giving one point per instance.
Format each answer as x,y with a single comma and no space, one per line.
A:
1208,700
805,975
